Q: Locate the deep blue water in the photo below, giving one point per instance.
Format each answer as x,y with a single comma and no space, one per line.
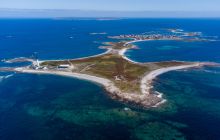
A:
50,107
154,51
185,51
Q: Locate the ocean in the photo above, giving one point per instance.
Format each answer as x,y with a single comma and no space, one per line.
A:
49,107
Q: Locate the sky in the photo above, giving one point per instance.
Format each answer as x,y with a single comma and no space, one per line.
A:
116,5
113,8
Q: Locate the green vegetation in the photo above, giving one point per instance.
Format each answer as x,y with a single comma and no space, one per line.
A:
125,74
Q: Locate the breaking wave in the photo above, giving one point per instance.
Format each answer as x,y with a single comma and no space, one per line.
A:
5,77
212,71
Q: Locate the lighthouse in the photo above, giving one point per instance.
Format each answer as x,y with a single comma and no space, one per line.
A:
37,63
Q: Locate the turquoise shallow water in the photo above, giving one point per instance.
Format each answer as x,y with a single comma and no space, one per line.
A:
47,107
195,95
73,109
52,107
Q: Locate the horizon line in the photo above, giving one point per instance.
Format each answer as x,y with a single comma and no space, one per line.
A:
61,9
72,13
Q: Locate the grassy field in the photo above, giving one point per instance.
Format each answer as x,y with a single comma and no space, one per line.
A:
123,73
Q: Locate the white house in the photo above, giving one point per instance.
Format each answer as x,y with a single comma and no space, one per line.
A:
63,66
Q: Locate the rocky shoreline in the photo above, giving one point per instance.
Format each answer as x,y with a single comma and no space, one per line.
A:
145,98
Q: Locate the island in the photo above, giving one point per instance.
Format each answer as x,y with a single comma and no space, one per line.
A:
123,79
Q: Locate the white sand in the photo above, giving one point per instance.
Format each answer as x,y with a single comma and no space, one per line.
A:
146,98
134,41
146,82
109,85
106,52
114,91
98,80
122,53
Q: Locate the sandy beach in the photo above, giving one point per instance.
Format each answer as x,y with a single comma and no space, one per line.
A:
106,52
146,82
110,87
122,53
146,99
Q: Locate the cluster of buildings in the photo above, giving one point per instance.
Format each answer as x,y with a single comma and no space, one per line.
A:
147,37
36,65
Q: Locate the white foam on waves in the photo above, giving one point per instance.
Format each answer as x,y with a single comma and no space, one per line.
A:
5,77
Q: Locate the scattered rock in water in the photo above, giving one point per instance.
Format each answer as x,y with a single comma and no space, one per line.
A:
127,109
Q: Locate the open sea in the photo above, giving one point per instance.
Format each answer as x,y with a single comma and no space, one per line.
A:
47,107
